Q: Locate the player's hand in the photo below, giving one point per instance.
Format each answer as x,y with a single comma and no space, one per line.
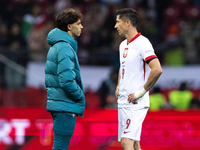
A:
131,98
117,92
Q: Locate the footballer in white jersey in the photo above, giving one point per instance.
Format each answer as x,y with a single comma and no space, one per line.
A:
139,71
134,69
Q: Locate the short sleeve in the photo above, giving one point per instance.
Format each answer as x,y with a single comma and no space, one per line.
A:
147,51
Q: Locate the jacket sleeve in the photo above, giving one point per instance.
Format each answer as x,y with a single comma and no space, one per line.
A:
67,76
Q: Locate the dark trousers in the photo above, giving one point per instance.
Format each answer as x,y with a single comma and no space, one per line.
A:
63,128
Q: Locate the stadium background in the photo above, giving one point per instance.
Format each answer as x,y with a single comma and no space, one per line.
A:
172,26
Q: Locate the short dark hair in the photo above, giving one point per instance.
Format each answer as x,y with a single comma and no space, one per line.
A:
67,16
128,13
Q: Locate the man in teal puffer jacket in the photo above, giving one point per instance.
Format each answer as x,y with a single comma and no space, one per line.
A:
65,91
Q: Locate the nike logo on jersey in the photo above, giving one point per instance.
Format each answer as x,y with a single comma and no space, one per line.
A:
126,132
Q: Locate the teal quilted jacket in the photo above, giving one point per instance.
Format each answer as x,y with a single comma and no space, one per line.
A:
62,74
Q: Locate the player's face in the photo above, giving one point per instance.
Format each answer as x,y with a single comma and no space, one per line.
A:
120,26
75,28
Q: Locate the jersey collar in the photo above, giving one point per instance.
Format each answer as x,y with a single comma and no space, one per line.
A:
135,37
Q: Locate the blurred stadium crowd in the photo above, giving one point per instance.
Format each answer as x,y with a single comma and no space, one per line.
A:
172,26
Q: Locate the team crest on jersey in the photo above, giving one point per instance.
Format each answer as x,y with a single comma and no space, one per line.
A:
125,52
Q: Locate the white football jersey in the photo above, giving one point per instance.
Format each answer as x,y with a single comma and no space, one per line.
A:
134,69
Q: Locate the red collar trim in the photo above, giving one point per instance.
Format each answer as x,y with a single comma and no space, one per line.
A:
135,37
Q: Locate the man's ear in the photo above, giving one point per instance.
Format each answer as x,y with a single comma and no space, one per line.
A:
128,22
69,27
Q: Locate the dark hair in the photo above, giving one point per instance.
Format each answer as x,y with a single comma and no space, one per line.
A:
156,89
128,13
183,86
67,16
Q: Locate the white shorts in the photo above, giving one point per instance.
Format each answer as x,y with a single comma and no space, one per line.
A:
130,122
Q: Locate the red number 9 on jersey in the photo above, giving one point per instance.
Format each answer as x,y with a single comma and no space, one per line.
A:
128,122
123,71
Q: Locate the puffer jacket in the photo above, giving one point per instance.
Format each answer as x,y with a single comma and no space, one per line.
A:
62,74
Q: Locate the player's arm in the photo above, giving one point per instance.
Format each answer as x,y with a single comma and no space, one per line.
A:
117,88
155,73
